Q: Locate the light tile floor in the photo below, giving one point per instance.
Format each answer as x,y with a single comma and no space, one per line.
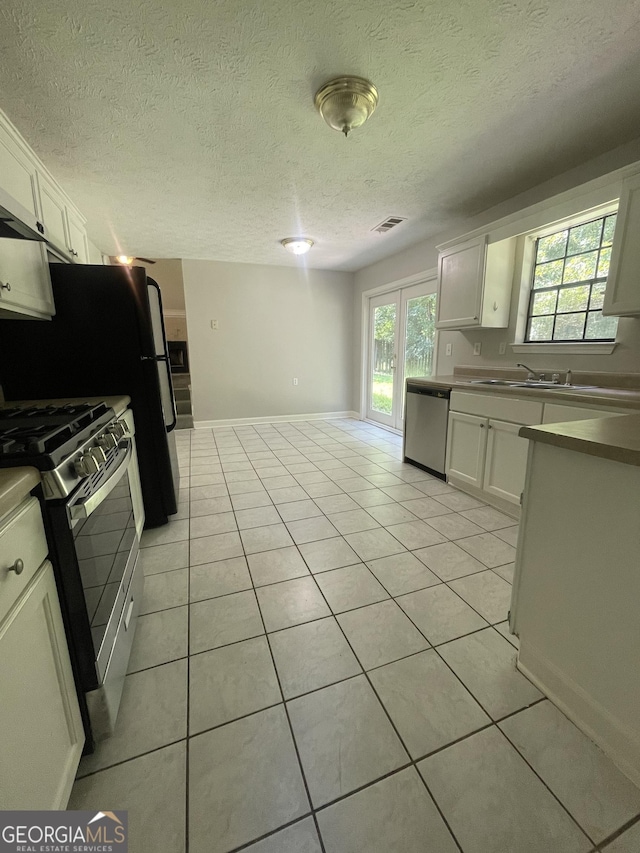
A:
323,664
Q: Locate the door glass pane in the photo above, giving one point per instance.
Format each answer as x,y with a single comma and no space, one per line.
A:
419,336
384,330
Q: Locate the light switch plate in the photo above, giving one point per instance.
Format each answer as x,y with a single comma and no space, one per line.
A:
449,349
502,348
214,324
477,348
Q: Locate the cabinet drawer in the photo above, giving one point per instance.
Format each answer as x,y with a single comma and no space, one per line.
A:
557,414
502,408
22,538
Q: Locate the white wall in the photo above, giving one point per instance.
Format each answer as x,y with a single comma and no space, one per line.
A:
423,257
274,324
168,273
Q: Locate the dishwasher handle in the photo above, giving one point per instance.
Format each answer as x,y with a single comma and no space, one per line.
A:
425,391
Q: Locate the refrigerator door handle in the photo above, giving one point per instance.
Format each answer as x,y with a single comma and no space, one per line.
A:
174,412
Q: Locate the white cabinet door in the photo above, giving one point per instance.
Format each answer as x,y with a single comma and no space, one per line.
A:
78,243
460,278
17,172
622,297
42,733
25,283
506,461
466,448
54,213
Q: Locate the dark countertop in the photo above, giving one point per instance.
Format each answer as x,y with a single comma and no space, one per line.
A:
624,398
616,438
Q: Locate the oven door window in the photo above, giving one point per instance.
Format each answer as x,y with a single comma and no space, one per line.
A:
103,543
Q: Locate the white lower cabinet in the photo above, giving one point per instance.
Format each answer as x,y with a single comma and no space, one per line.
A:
487,454
466,448
42,732
505,462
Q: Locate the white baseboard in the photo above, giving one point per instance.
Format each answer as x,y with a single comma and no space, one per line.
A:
621,744
276,419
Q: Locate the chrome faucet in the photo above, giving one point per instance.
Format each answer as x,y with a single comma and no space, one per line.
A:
531,373
568,378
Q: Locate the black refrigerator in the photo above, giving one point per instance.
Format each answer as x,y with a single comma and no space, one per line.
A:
106,338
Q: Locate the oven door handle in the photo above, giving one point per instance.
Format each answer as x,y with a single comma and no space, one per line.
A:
83,509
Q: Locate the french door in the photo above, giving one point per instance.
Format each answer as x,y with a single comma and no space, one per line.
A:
401,345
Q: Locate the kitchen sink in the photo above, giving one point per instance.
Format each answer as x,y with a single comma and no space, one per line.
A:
528,383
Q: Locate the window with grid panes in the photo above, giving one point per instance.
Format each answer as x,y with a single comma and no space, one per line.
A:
569,280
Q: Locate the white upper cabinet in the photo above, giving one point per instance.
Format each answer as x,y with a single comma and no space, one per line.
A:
622,297
17,172
78,243
474,284
54,213
25,283
65,226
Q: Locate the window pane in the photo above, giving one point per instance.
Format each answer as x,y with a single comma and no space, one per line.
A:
540,328
548,274
597,296
580,268
551,247
545,302
420,334
609,227
584,237
603,263
384,331
574,298
569,327
601,327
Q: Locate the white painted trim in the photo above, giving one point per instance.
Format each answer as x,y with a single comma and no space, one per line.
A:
408,281
277,419
171,312
609,733
579,348
382,426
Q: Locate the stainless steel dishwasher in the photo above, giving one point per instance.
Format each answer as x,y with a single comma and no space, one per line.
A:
425,427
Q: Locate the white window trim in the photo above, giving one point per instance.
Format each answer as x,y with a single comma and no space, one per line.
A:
528,257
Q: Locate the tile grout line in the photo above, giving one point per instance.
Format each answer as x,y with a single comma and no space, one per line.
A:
492,723
401,740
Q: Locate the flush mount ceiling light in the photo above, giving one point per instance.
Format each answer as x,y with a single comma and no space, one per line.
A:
127,260
297,245
346,102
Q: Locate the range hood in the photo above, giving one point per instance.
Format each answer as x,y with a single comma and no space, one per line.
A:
18,223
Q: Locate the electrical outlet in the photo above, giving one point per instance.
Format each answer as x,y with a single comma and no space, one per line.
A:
477,348
295,381
214,324
449,349
502,348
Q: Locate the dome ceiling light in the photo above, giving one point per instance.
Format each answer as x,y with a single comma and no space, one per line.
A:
346,102
297,245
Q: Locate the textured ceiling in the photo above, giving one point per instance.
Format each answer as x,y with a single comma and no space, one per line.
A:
187,129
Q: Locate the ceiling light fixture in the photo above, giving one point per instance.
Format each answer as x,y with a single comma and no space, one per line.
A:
346,102
297,245
124,259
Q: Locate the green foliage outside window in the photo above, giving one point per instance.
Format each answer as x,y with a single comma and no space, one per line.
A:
569,281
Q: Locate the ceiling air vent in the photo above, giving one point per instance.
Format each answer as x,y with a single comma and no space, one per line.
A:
388,224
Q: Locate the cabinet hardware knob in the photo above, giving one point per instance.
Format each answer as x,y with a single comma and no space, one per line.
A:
489,427
6,286
17,567
481,426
